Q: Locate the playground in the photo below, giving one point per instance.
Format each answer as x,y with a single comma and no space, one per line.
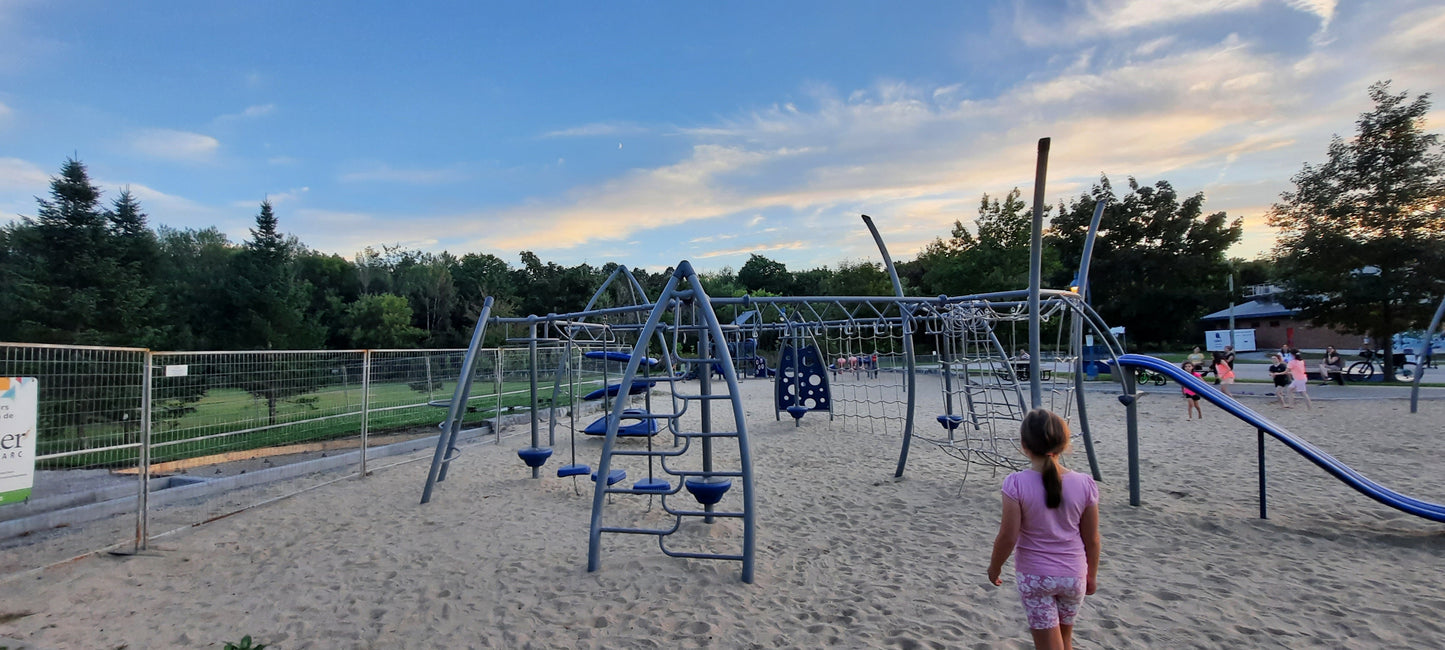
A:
846,554
799,474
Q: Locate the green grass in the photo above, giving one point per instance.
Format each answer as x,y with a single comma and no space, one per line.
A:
231,419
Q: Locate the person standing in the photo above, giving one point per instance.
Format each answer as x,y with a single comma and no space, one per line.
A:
1196,357
1191,398
1280,373
1299,379
1225,375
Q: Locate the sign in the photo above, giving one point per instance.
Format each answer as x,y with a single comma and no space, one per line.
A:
1215,340
19,402
178,371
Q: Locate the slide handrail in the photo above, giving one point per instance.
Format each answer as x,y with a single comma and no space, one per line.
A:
1341,471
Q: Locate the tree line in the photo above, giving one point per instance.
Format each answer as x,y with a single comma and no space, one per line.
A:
1360,238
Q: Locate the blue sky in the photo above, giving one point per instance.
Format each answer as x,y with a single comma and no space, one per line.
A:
647,133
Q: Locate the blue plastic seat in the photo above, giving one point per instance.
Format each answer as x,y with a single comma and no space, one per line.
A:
652,485
798,411
950,422
622,357
708,491
573,470
613,477
534,456
628,427
639,386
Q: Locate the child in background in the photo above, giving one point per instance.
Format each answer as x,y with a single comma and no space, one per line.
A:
1225,372
1051,517
1299,379
1191,398
1280,373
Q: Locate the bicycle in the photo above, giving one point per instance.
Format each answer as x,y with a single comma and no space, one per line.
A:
1144,375
1365,370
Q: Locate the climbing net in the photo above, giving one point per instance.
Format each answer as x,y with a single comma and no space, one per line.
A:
985,388
867,372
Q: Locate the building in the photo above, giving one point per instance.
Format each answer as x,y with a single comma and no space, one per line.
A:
1275,325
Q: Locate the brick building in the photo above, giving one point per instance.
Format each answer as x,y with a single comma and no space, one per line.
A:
1275,325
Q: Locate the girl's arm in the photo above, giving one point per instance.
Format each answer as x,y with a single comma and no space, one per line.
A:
1008,536
1089,531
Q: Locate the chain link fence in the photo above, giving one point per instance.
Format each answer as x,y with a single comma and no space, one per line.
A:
114,419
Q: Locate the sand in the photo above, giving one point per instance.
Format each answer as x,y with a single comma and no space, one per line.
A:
846,555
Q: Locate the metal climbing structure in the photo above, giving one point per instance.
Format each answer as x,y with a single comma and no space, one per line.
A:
696,465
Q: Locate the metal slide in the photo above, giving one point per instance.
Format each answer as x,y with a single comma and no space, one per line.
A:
1341,471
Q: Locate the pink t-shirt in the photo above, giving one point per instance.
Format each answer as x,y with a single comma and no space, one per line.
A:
1049,542
1297,370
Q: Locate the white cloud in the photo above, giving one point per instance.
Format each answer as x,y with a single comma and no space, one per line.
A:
1325,9
21,175
277,199
1044,24
596,129
177,211
918,157
21,182
796,245
1418,32
381,173
5,112
168,144
251,112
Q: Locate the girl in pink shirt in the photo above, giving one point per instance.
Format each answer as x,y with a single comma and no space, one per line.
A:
1299,379
1051,517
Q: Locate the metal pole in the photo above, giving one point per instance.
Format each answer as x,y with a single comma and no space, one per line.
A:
1231,309
704,387
909,363
142,514
532,381
366,402
1420,360
1131,426
1036,261
497,381
1084,262
1263,511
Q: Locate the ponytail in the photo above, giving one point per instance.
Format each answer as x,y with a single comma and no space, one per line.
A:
1053,486
1045,435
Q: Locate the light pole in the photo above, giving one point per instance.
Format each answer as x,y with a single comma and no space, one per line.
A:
1231,307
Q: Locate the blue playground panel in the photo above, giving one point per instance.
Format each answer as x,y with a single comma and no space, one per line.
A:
811,381
639,386
621,357
638,427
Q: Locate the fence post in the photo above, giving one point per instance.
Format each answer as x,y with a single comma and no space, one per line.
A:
1263,509
142,515
365,404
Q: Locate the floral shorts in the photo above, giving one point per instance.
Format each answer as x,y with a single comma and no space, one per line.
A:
1051,601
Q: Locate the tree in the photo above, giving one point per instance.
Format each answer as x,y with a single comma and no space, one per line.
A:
996,260
381,321
858,279
269,309
1362,236
62,263
269,302
128,298
762,273
194,287
1159,262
